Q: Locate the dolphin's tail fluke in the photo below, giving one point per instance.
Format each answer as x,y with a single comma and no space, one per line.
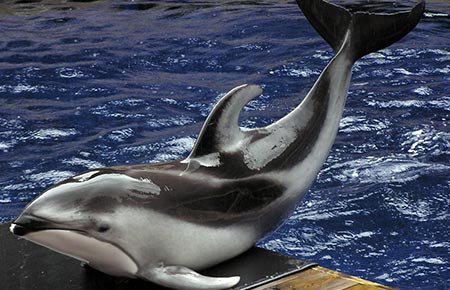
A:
360,32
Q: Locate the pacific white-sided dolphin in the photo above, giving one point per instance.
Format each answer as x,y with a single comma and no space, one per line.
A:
163,222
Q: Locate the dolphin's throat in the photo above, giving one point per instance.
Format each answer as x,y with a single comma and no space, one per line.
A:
98,254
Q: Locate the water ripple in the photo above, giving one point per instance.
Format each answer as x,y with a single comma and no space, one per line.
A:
383,170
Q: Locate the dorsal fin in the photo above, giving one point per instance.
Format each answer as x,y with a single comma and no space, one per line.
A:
221,129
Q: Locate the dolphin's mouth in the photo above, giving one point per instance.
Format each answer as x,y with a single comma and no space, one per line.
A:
19,230
26,224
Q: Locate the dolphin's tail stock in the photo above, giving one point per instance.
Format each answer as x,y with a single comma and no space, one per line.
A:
360,32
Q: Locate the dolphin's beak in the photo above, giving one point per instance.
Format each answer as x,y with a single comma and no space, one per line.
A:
26,224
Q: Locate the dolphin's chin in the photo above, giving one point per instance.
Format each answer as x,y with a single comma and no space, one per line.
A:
100,255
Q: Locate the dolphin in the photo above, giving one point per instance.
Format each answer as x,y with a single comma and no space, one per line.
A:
164,222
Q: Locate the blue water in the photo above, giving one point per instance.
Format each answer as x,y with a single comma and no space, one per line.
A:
86,84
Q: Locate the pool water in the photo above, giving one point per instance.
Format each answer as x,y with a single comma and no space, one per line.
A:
86,84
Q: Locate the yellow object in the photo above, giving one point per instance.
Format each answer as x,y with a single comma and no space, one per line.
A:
317,277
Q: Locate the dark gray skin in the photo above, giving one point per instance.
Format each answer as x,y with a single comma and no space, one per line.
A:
161,222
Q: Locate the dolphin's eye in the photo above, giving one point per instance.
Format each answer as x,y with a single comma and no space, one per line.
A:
103,228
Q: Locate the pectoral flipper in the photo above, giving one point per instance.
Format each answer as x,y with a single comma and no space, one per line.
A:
183,278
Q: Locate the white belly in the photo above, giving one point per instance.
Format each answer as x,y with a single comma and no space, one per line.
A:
160,238
100,255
